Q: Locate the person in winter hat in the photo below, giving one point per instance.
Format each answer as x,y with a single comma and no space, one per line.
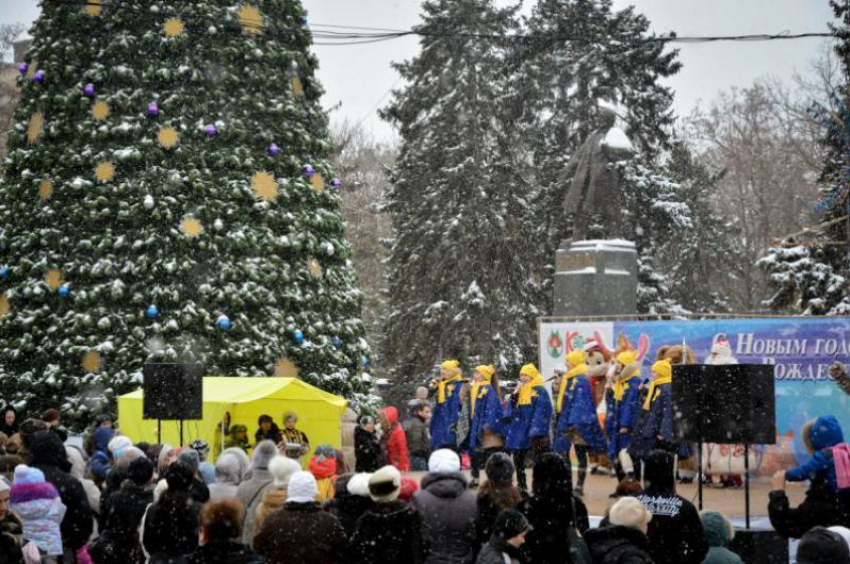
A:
170,525
323,467
351,500
301,533
282,469
486,432
529,412
496,494
622,408
719,533
551,513
389,531
447,406
621,539
821,507
101,459
220,530
200,491
205,469
822,546
11,528
250,492
228,475
676,535
503,546
40,509
368,455
654,429
447,510
819,437
394,439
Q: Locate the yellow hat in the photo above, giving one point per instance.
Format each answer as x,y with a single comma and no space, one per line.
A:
486,370
450,365
529,370
663,368
627,357
575,358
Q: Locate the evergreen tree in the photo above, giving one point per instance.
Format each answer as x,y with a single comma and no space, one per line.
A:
167,197
460,280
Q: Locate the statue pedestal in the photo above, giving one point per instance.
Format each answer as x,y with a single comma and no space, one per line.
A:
596,277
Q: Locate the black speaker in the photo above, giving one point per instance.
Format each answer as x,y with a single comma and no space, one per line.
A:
726,404
759,546
173,391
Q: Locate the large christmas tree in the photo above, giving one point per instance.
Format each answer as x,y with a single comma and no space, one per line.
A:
167,197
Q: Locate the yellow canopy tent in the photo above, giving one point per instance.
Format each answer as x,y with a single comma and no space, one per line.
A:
245,399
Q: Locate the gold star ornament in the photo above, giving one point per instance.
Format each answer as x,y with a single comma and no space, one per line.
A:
285,368
45,189
104,171
168,137
54,279
92,362
173,27
93,7
4,304
250,19
264,186
317,182
297,87
35,128
191,227
100,110
316,270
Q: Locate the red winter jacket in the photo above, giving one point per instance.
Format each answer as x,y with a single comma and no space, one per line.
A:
396,441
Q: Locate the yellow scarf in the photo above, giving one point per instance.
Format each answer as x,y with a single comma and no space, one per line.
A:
565,380
620,387
441,393
536,380
487,372
650,397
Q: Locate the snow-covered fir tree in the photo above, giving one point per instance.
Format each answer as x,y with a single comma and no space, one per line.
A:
167,197
809,270
461,281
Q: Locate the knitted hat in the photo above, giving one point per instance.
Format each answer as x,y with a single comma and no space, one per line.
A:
263,454
663,368
510,523
140,471
627,357
408,488
190,458
28,475
119,443
385,484
282,469
444,460
500,468
359,484
575,358
822,546
629,512
302,488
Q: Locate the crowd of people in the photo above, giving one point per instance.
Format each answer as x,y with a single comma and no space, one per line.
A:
119,501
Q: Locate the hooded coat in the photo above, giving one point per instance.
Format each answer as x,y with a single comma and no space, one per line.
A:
718,533
675,533
581,414
487,416
622,414
618,545
367,451
387,533
47,453
228,475
824,433
528,421
41,512
78,469
447,510
118,542
396,441
819,508
301,533
444,417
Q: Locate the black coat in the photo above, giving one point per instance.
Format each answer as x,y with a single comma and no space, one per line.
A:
348,509
367,451
301,533
819,508
386,534
224,553
171,527
489,509
447,511
676,535
618,545
118,542
11,539
495,550
47,453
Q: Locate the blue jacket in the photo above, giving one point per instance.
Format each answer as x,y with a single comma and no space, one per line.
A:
444,418
528,421
825,432
488,415
622,414
655,422
582,414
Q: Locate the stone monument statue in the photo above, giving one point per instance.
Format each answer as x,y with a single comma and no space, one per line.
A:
595,186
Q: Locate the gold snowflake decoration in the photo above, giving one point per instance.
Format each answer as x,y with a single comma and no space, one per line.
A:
100,110
285,368
54,279
45,189
32,69
4,304
317,182
35,128
104,171
250,19
93,7
191,226
264,186
316,270
297,87
168,137
173,27
92,362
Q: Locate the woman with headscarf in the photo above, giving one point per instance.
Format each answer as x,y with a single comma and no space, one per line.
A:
9,421
529,411
486,435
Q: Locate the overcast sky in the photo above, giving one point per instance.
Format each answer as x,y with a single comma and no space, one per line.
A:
359,77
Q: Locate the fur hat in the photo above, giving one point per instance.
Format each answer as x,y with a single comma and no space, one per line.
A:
385,484
302,488
629,512
359,484
443,461
119,443
282,469
500,468
263,454
721,345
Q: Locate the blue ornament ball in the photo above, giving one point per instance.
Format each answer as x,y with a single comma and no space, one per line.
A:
366,363
4,272
299,336
151,312
302,20
224,323
64,291
337,342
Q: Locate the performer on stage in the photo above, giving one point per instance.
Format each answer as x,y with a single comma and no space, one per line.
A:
529,411
655,422
623,407
447,407
486,435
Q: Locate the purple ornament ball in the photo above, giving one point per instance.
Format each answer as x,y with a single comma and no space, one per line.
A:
23,68
336,183
210,130
274,150
153,109
88,90
309,170
38,76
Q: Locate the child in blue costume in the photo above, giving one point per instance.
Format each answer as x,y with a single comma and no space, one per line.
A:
486,434
654,429
446,407
529,411
623,408
577,422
